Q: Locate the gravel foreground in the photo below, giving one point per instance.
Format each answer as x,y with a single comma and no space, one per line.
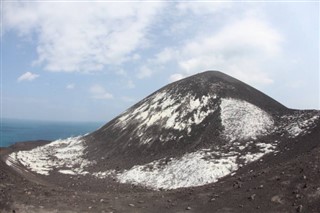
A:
284,183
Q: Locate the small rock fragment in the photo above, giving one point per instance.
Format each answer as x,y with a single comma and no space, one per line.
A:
237,184
295,191
131,204
277,199
188,208
252,197
299,208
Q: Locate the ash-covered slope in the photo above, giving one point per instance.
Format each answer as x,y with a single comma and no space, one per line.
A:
188,133
188,115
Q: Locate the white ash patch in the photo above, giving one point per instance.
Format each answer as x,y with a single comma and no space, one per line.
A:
264,149
104,174
242,120
192,169
299,124
66,154
11,159
168,111
67,172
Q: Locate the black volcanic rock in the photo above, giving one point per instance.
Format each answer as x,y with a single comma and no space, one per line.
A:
189,133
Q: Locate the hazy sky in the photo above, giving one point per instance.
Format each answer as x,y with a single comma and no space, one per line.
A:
89,61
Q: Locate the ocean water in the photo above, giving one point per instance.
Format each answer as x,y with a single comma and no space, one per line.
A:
15,130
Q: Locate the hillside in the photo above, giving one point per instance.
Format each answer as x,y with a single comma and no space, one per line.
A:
206,135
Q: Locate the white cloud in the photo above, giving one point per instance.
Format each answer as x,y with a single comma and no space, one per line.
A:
240,48
202,8
99,92
28,76
157,63
82,36
144,72
165,56
175,77
70,86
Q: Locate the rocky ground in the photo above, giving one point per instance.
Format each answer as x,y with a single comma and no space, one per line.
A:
287,182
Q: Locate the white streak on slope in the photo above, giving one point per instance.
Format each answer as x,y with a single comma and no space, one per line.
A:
167,111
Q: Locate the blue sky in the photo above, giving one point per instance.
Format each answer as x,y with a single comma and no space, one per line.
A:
89,61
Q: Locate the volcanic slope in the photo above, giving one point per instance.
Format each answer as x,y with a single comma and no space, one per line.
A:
189,133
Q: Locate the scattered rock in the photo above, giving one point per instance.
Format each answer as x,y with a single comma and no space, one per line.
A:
131,204
299,208
295,191
188,208
252,197
237,184
285,183
277,199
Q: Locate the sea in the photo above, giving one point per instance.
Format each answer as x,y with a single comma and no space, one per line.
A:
16,130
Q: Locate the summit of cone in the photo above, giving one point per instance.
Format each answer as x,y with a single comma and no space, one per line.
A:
224,86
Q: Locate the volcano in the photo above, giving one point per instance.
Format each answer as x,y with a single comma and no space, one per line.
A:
190,133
